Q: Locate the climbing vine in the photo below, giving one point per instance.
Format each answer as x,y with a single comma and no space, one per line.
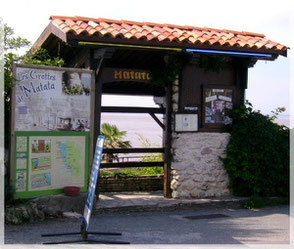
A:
211,63
173,64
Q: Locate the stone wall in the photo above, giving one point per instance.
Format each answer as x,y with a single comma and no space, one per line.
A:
196,170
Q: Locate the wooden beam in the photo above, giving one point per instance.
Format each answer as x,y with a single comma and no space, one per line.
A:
132,164
157,120
123,109
80,58
134,150
74,39
167,153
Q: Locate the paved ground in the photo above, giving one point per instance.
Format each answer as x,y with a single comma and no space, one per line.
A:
214,226
154,201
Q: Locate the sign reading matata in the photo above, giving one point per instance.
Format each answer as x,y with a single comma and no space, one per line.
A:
51,99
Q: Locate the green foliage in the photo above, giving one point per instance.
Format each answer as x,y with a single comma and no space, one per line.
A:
41,56
138,171
132,172
151,157
12,45
114,138
11,42
172,66
276,112
212,63
257,156
254,202
74,90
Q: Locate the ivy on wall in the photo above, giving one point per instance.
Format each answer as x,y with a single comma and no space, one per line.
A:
211,63
173,63
257,156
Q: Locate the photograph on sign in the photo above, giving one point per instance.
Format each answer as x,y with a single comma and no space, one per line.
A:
41,146
41,163
20,181
21,144
41,180
218,106
21,160
51,100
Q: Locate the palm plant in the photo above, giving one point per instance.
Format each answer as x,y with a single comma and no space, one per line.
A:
114,138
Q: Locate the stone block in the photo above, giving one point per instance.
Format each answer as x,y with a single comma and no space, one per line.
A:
196,164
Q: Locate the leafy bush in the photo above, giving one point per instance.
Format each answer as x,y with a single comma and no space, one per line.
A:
114,138
150,157
257,156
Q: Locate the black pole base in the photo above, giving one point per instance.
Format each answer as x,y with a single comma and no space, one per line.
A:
84,234
87,241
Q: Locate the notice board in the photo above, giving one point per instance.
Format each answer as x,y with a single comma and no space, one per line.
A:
44,163
51,129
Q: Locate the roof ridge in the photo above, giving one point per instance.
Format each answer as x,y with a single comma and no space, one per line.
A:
185,27
158,32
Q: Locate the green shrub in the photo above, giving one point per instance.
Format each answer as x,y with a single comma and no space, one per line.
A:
257,156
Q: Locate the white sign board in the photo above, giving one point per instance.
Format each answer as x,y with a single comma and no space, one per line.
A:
51,99
186,122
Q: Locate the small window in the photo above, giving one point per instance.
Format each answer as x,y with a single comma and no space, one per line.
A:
217,105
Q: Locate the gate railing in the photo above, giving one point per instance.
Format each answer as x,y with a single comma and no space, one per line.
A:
132,164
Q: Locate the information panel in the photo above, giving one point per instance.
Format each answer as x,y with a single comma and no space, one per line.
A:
51,99
51,117
44,163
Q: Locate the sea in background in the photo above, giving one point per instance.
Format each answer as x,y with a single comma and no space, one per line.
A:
136,124
286,120
145,125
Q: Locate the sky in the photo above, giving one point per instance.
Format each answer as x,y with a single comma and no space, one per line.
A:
269,82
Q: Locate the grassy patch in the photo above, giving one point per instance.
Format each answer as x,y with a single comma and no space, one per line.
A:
132,171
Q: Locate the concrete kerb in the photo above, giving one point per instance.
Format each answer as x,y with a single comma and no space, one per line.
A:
130,202
126,202
163,204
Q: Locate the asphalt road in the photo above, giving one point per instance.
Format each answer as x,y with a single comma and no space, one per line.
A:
223,226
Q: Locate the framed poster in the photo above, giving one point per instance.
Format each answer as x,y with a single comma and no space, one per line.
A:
218,102
51,161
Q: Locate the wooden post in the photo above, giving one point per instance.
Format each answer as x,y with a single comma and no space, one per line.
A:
241,69
96,63
167,153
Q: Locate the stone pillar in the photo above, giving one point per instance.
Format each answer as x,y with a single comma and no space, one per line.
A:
196,170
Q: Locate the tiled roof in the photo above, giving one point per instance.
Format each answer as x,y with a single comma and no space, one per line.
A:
162,33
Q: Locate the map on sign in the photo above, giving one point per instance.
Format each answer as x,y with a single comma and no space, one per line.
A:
49,162
69,155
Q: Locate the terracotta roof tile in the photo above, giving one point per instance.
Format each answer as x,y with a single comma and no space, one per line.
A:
177,34
150,37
